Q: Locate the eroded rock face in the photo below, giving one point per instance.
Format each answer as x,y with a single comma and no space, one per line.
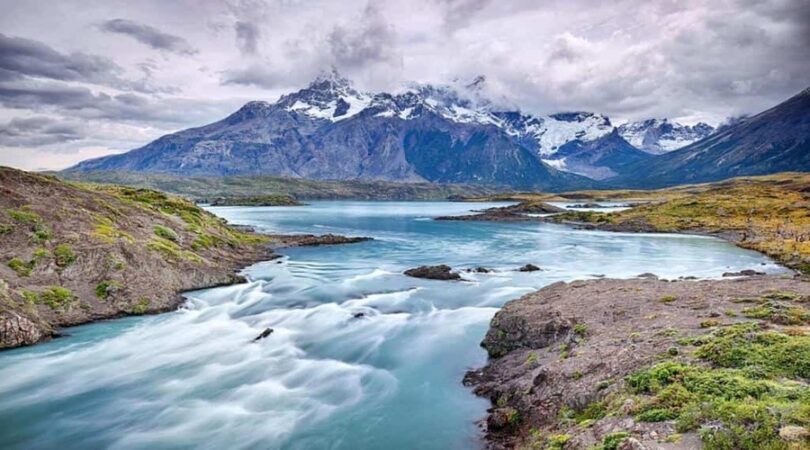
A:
440,272
16,330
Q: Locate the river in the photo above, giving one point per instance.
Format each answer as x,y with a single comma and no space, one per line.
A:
327,377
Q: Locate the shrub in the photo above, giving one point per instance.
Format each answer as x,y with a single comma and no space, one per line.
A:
106,288
6,228
22,268
64,255
709,323
611,441
24,216
141,307
580,329
667,299
57,297
166,233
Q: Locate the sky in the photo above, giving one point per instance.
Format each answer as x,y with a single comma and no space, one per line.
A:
82,79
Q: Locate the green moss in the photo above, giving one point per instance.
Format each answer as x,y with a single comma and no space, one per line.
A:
22,268
557,441
668,299
612,441
778,312
63,255
173,252
30,297
24,216
747,346
657,415
580,329
709,323
41,253
57,297
755,385
106,231
531,360
166,233
142,306
106,288
41,234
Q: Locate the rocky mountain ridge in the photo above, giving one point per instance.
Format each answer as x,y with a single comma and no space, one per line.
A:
330,130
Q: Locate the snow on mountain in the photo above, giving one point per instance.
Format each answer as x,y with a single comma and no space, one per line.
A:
330,97
659,136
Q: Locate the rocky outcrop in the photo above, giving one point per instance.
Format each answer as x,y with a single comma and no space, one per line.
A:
570,345
513,213
312,240
440,272
72,254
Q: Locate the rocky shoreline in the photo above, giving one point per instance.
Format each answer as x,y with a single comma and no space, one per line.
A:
560,358
74,254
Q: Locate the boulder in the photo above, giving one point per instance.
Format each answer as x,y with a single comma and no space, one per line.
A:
529,268
440,272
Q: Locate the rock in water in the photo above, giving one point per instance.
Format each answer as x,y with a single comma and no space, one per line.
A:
440,272
529,268
264,334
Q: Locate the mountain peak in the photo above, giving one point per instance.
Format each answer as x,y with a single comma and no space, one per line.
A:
330,80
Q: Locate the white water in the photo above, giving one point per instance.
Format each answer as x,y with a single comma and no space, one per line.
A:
323,379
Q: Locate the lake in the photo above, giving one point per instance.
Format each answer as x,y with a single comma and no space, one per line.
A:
361,356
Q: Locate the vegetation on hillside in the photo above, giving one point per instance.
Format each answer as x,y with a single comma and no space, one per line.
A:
770,214
72,253
208,188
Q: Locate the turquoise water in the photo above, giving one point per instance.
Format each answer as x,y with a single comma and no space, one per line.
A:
324,379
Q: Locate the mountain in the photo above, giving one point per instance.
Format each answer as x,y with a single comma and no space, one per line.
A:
776,140
330,130
659,136
600,159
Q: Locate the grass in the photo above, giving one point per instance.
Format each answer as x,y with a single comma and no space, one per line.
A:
173,252
166,233
24,216
752,382
106,231
106,288
22,268
55,297
6,228
63,255
768,214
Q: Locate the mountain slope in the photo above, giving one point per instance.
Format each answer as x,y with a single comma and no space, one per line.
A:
659,136
600,159
331,131
776,140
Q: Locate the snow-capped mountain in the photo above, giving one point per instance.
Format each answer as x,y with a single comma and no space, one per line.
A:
422,132
330,130
659,136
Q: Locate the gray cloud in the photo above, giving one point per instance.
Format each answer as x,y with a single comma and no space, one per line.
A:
39,131
247,37
150,36
81,102
458,13
26,57
370,40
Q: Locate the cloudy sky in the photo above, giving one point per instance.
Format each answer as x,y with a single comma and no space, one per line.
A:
80,79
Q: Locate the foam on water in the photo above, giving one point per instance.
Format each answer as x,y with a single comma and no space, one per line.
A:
327,377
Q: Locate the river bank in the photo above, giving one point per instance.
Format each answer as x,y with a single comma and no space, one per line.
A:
648,364
74,254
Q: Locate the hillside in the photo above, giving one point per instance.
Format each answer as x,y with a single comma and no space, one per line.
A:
770,214
650,364
208,188
71,254
775,140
